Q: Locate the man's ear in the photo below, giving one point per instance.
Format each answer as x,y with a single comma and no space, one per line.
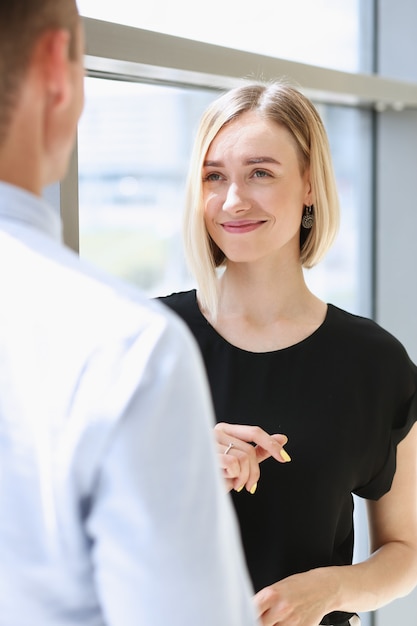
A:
52,63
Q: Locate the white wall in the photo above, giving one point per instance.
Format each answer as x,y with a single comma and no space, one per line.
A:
396,213
396,235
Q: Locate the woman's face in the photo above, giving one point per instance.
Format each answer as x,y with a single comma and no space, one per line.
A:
254,191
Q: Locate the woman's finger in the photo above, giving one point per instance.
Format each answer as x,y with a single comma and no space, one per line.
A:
239,462
266,445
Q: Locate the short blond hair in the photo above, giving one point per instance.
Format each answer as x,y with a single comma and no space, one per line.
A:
284,104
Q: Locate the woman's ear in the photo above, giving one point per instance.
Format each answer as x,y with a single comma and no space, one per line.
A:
308,196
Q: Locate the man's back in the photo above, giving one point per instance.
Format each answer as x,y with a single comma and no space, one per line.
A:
102,401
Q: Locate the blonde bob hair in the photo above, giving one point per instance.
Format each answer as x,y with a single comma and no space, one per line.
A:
284,104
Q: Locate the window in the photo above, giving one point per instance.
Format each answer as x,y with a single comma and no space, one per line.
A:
134,147
344,277
329,33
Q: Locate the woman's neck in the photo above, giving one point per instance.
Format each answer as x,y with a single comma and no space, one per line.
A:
263,311
263,295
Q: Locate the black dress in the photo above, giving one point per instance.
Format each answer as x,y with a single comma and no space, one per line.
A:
345,397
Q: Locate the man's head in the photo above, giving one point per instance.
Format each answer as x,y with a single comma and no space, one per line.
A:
41,45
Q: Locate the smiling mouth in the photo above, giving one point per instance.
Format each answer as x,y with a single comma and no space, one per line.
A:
242,226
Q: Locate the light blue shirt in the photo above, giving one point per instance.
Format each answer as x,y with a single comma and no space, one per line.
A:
112,508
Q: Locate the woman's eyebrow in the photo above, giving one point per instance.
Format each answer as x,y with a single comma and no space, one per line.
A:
248,161
213,164
262,159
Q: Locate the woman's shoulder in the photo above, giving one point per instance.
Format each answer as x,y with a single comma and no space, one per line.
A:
179,299
362,332
184,303
356,324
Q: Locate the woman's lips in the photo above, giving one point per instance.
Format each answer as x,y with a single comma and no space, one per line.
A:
241,226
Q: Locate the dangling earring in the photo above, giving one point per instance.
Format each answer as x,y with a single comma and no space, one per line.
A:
307,220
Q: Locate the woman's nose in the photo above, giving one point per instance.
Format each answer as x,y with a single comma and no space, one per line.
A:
235,199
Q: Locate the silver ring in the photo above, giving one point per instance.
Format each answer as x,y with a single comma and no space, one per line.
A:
228,448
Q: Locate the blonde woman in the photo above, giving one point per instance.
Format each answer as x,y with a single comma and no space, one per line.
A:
287,369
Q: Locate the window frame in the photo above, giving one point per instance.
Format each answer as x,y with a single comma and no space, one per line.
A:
131,54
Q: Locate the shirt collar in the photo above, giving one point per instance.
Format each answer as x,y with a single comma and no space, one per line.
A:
20,206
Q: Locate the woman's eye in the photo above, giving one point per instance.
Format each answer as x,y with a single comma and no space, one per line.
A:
260,174
213,176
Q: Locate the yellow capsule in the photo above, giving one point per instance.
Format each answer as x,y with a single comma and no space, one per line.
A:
284,455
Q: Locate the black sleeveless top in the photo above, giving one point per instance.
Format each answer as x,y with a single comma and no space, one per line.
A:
345,396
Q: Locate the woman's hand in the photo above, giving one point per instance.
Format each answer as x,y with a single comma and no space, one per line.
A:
299,600
242,448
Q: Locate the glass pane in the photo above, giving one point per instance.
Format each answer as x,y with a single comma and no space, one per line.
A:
134,144
134,148
330,33
345,274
